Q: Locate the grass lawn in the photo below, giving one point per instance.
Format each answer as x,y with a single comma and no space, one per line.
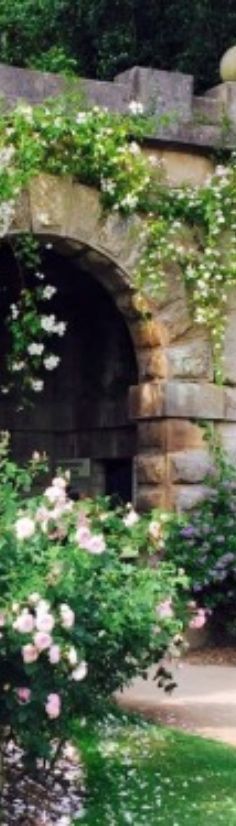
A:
139,773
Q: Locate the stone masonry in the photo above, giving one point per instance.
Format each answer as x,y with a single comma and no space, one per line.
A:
175,392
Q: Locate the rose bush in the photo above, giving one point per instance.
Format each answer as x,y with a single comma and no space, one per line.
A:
82,610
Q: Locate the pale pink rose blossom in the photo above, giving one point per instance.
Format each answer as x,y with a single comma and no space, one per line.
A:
80,671
164,609
54,654
59,482
94,543
67,616
24,527
131,518
24,623
23,695
29,653
199,620
55,494
53,706
44,622
42,641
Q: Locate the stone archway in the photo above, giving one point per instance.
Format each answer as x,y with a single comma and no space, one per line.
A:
174,389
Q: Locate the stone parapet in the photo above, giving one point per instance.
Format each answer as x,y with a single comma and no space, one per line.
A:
193,122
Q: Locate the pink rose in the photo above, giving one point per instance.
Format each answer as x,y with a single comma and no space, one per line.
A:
24,527
44,622
54,654
199,620
164,609
24,622
42,640
67,616
29,653
53,706
23,695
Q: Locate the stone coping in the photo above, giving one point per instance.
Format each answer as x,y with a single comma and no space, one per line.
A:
198,122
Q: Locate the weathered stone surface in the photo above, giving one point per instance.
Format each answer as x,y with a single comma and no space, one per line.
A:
161,91
149,497
186,497
22,217
200,401
151,470
84,214
180,166
50,199
170,435
189,466
226,94
181,434
148,333
191,358
177,399
146,401
230,404
230,346
120,237
175,315
152,364
227,433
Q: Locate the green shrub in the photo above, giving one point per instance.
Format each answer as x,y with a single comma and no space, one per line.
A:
82,611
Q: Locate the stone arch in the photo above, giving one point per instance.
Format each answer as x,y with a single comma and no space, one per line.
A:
175,388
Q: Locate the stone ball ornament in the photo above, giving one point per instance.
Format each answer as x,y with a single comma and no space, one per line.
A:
228,65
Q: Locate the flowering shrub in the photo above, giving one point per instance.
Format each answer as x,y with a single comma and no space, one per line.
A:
81,609
205,544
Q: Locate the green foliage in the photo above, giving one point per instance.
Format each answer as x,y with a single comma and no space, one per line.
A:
82,611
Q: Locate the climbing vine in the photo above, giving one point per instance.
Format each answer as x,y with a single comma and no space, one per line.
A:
192,228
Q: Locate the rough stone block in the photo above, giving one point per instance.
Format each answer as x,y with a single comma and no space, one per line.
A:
181,434
83,214
146,401
230,404
170,435
160,91
149,497
50,199
186,497
22,217
190,400
150,470
227,434
181,167
175,315
152,364
189,466
226,94
148,333
191,358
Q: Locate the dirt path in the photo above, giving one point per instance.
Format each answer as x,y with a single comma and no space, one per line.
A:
204,702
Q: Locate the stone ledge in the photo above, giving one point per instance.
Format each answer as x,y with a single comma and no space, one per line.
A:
177,400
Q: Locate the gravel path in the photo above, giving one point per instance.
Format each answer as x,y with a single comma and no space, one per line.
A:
204,702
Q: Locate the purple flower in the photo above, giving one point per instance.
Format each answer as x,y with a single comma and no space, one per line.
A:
188,532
